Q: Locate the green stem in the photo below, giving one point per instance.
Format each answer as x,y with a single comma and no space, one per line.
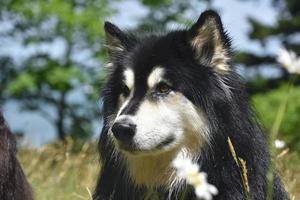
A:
274,134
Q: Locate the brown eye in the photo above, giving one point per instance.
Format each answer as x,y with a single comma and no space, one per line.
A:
163,88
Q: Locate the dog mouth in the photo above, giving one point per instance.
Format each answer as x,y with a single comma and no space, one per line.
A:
169,140
129,147
134,149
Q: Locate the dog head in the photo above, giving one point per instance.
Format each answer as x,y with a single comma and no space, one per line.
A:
159,86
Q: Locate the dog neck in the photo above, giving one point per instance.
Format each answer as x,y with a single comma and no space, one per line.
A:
156,170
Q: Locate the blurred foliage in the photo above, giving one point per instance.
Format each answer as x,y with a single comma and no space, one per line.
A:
7,73
167,14
285,29
267,107
44,81
270,92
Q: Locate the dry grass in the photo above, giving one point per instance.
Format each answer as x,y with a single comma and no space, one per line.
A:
288,166
56,172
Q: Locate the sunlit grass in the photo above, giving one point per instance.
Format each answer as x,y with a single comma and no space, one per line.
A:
288,166
58,172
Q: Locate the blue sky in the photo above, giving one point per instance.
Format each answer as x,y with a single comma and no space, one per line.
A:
234,14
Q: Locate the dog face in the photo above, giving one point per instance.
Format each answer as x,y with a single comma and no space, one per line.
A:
153,115
159,86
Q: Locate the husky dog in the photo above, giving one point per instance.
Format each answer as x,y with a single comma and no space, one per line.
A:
175,95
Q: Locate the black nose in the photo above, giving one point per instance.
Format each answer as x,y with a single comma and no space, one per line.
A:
123,131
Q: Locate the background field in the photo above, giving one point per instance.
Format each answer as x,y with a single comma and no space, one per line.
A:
58,172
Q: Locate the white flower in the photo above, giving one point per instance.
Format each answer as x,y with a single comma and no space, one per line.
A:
289,60
190,172
279,144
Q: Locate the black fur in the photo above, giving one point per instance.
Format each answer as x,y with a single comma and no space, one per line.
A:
227,109
13,183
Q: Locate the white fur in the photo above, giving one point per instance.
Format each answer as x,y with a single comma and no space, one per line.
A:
129,81
129,78
155,76
115,48
226,88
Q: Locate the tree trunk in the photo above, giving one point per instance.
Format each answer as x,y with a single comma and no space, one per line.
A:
60,124
61,118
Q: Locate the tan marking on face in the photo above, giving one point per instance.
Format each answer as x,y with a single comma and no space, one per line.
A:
155,76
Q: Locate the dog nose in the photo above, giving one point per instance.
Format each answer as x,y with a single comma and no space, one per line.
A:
123,131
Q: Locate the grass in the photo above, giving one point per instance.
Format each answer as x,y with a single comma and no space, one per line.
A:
58,172
288,166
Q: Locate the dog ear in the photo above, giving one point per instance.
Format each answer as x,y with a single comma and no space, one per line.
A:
210,42
115,38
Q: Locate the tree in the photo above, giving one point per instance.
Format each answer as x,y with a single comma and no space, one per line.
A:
7,73
164,14
43,81
286,30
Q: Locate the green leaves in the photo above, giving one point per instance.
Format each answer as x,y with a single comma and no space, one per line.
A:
259,30
283,31
163,13
24,82
42,79
61,78
156,3
267,107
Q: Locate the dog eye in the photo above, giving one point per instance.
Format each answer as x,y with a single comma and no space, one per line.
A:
163,88
125,91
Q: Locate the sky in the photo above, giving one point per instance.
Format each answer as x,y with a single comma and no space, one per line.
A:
234,15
